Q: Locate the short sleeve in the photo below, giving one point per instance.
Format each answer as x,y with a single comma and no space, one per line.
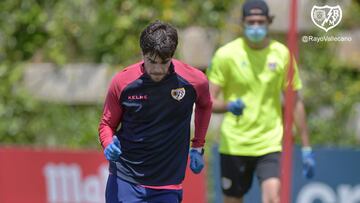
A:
216,72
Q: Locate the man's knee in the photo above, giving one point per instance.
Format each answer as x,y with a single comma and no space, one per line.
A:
271,190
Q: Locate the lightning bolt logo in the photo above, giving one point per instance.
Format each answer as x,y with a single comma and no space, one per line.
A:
328,17
326,20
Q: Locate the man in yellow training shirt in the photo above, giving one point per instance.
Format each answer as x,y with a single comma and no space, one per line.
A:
250,73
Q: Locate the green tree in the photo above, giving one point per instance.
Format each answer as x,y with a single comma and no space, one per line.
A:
98,31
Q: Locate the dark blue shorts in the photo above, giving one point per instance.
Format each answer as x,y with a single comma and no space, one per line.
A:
120,191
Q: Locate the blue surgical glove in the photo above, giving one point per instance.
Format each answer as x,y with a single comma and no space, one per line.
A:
113,150
196,160
236,107
308,162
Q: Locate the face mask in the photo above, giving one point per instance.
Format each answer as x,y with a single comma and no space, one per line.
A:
255,33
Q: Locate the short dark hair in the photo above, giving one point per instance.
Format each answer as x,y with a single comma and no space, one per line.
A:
159,39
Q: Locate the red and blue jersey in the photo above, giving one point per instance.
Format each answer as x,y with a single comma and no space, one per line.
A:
152,121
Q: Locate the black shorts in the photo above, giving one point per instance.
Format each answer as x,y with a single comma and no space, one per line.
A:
237,171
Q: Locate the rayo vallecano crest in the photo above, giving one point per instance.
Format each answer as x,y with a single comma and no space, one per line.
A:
178,93
326,17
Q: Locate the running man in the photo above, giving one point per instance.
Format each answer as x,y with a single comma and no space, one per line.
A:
145,126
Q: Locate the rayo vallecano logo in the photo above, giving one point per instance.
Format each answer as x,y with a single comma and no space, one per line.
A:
326,17
178,93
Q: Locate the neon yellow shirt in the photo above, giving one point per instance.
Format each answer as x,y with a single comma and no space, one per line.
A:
258,78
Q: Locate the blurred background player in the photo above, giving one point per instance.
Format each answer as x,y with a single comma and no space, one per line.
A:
153,101
250,72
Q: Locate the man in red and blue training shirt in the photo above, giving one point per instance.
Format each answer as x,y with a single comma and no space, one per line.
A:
153,101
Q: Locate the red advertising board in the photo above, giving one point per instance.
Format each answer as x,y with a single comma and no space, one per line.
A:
64,176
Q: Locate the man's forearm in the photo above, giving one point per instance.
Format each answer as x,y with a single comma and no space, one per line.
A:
300,122
219,106
202,120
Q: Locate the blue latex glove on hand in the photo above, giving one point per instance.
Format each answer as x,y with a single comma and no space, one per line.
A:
196,161
308,162
236,107
113,150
